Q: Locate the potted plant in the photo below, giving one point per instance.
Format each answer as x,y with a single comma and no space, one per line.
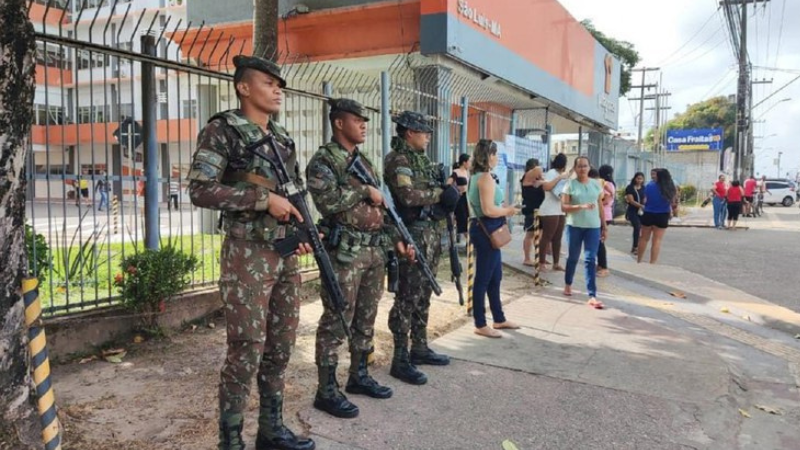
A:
150,279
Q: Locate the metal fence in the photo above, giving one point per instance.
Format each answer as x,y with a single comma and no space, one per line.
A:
122,94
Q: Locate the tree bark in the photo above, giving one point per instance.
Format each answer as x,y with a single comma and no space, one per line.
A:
19,427
265,28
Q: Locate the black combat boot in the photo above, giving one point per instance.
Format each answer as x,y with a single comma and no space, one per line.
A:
422,354
230,431
360,382
329,398
402,369
272,434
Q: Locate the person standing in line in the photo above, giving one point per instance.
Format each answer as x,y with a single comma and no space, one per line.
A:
552,217
485,199
582,201
749,195
174,190
532,198
102,186
734,199
606,174
259,287
634,197
423,205
353,221
461,177
720,191
659,197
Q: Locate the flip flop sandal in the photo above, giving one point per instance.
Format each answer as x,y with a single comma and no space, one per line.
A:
596,304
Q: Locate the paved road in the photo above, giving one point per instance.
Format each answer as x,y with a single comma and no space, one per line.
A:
763,261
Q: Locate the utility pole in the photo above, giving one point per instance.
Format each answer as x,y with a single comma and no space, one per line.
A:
779,164
265,28
659,120
642,98
744,100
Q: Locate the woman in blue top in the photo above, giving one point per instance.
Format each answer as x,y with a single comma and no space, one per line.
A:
659,197
485,199
582,201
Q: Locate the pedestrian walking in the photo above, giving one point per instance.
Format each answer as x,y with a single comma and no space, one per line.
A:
606,174
357,240
550,212
174,191
659,198
532,198
82,189
582,201
634,196
734,199
720,192
102,187
259,288
486,201
423,205
749,195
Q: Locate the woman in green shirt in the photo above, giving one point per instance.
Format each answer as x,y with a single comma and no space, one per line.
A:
485,199
582,201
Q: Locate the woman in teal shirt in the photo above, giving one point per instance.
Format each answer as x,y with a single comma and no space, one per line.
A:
582,201
485,199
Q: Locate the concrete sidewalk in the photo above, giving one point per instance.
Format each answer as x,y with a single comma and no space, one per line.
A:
634,376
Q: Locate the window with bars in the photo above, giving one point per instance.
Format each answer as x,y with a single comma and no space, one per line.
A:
48,115
92,114
189,109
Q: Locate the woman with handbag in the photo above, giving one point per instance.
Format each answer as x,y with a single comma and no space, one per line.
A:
582,201
488,233
634,197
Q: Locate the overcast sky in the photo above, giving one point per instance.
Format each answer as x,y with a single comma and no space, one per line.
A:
705,66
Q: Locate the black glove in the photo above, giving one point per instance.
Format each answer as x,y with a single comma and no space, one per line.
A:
449,198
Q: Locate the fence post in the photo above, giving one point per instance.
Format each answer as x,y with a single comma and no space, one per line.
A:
149,106
464,123
327,91
386,115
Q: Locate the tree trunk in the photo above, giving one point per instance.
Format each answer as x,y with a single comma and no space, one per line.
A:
265,28
18,422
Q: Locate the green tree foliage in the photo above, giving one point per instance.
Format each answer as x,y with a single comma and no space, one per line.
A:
623,50
717,112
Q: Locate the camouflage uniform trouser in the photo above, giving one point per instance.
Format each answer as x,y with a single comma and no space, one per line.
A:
362,283
413,299
262,311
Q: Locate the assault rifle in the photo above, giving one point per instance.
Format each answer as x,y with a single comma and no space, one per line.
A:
455,263
357,169
308,232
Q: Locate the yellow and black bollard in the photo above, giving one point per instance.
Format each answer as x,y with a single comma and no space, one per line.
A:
537,237
470,274
40,364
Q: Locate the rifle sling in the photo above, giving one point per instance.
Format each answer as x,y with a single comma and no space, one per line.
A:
247,177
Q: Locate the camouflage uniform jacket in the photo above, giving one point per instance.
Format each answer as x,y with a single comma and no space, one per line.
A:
411,177
339,196
217,169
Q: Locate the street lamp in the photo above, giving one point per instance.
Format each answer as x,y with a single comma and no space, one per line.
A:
774,105
778,162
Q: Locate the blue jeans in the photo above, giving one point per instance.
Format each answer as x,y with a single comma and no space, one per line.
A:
719,211
488,274
589,239
103,200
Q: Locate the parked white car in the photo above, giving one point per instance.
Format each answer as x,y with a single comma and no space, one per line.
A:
780,192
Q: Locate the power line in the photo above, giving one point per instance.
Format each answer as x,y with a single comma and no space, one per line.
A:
711,49
780,32
702,27
717,84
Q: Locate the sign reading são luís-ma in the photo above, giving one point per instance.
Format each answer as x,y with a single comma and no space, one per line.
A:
700,139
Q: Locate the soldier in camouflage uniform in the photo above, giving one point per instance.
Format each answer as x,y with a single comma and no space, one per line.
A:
422,203
259,288
356,237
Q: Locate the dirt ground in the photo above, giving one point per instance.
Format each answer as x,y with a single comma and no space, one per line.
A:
163,395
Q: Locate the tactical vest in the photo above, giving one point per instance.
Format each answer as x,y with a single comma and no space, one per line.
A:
254,225
423,178
337,160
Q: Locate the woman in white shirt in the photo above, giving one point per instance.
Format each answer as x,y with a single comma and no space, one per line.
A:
550,213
